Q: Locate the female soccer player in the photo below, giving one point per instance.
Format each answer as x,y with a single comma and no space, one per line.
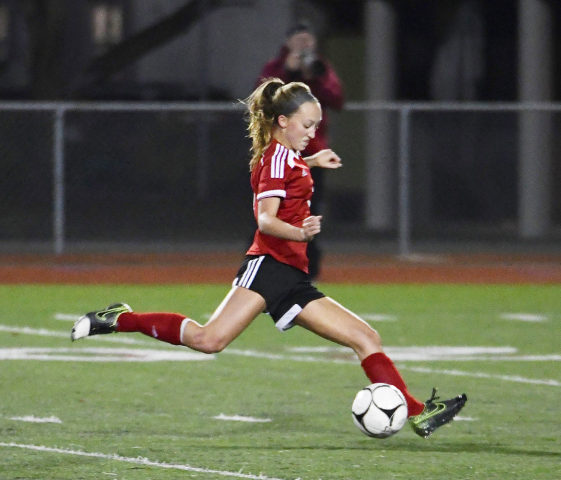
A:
282,119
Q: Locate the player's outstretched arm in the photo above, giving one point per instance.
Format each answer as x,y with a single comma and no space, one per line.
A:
324,159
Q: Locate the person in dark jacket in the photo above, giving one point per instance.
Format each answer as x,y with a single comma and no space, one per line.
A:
300,61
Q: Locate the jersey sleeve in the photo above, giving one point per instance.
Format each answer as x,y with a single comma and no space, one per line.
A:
272,174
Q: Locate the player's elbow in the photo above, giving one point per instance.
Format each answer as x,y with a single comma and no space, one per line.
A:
264,223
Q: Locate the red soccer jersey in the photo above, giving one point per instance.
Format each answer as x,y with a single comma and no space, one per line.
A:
283,173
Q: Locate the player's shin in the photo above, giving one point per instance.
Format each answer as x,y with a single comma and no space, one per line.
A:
379,368
162,326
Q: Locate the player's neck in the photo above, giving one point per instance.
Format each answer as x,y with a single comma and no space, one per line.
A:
280,138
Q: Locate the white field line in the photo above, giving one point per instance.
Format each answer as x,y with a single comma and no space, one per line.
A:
437,353
369,317
524,317
352,361
281,356
506,378
419,353
34,419
524,358
58,334
136,461
241,418
97,354
102,355
42,332
67,317
459,418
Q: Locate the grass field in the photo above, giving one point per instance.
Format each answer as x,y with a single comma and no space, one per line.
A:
128,407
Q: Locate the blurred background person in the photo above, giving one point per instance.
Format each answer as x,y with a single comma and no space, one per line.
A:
299,60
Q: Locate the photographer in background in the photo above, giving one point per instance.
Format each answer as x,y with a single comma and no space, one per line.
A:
299,61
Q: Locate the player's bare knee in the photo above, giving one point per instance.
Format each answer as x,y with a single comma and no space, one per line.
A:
208,342
216,345
203,339
198,340
367,340
374,337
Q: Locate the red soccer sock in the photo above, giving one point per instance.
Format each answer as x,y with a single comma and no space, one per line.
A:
380,369
162,326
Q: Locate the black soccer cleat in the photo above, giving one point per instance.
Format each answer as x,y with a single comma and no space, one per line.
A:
99,322
436,413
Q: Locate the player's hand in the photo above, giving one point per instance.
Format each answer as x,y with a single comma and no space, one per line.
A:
324,159
311,226
293,61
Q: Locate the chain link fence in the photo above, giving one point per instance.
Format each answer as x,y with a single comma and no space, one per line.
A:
116,176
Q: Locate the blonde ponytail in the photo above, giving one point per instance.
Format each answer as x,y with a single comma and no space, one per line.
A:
261,117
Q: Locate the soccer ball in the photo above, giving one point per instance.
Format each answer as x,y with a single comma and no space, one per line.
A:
379,410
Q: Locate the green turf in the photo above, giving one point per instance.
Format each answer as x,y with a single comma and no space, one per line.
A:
163,411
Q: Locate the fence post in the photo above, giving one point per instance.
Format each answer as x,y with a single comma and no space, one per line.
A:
404,213
58,181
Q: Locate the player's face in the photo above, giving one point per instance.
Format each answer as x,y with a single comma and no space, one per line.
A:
301,42
301,126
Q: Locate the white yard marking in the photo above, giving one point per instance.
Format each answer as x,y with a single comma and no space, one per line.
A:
280,356
67,317
33,419
42,332
524,317
342,355
240,418
420,354
506,378
137,461
524,358
102,355
57,333
324,349
459,418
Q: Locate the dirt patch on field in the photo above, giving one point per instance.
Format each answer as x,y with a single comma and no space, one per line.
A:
221,268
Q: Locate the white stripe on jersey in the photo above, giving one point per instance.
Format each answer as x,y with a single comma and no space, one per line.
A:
277,161
250,272
272,193
291,157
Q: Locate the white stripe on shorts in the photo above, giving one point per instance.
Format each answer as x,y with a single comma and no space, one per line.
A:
249,275
285,322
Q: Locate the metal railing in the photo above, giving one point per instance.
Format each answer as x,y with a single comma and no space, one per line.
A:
406,110
403,130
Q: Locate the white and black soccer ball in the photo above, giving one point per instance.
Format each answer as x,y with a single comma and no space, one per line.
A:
379,410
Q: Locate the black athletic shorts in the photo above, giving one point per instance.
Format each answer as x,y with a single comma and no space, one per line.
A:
286,289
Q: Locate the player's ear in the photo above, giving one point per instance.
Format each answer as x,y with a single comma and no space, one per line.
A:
282,120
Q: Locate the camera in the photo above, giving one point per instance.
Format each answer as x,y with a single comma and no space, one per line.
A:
311,61
307,57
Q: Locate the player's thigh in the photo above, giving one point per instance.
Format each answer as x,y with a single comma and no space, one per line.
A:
238,309
332,321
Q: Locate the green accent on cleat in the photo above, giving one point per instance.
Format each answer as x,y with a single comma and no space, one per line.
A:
436,413
99,322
